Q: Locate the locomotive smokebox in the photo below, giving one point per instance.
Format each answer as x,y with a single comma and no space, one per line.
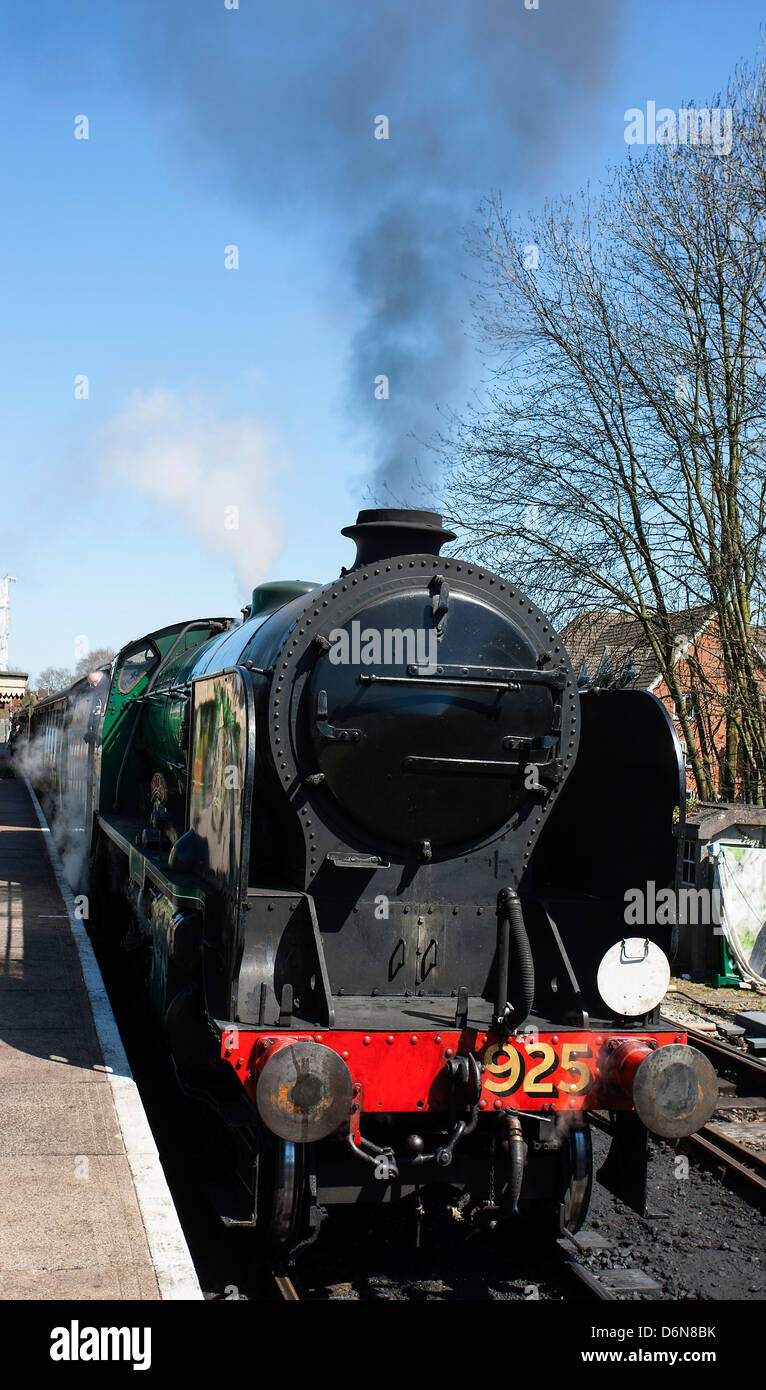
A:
383,532
674,1088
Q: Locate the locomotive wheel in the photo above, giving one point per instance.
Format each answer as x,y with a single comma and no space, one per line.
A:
565,1214
578,1159
283,1203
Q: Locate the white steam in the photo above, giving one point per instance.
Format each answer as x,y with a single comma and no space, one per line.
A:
214,473
65,809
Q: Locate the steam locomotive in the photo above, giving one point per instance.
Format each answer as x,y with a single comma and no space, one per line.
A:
375,846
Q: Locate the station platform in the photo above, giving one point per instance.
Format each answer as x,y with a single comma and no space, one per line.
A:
85,1212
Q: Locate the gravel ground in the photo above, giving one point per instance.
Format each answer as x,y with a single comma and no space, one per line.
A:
690,1003
709,1243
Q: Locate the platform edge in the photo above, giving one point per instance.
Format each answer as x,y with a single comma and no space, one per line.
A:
170,1256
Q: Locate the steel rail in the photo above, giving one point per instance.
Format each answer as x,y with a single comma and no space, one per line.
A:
724,1054
286,1287
586,1276
733,1148
723,1151
737,1161
591,1282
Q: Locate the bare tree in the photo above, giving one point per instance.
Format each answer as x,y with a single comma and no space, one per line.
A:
102,656
618,462
54,678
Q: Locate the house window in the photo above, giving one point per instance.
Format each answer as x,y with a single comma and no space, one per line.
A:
689,705
689,864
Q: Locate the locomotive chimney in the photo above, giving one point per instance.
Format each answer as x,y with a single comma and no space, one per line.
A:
383,532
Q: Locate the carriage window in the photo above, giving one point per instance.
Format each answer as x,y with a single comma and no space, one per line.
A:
135,665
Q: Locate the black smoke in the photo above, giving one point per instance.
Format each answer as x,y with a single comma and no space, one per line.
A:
278,102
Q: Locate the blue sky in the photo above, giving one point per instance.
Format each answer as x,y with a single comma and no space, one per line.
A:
252,388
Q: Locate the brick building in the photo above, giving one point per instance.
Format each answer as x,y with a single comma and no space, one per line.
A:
614,645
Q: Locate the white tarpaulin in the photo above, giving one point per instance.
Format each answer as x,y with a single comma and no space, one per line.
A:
740,876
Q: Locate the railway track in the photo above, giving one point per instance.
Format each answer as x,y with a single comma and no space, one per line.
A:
729,1153
583,1276
741,1165
608,1285
605,1285
749,1069
285,1286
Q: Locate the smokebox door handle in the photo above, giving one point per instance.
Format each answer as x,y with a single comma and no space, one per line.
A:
328,730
